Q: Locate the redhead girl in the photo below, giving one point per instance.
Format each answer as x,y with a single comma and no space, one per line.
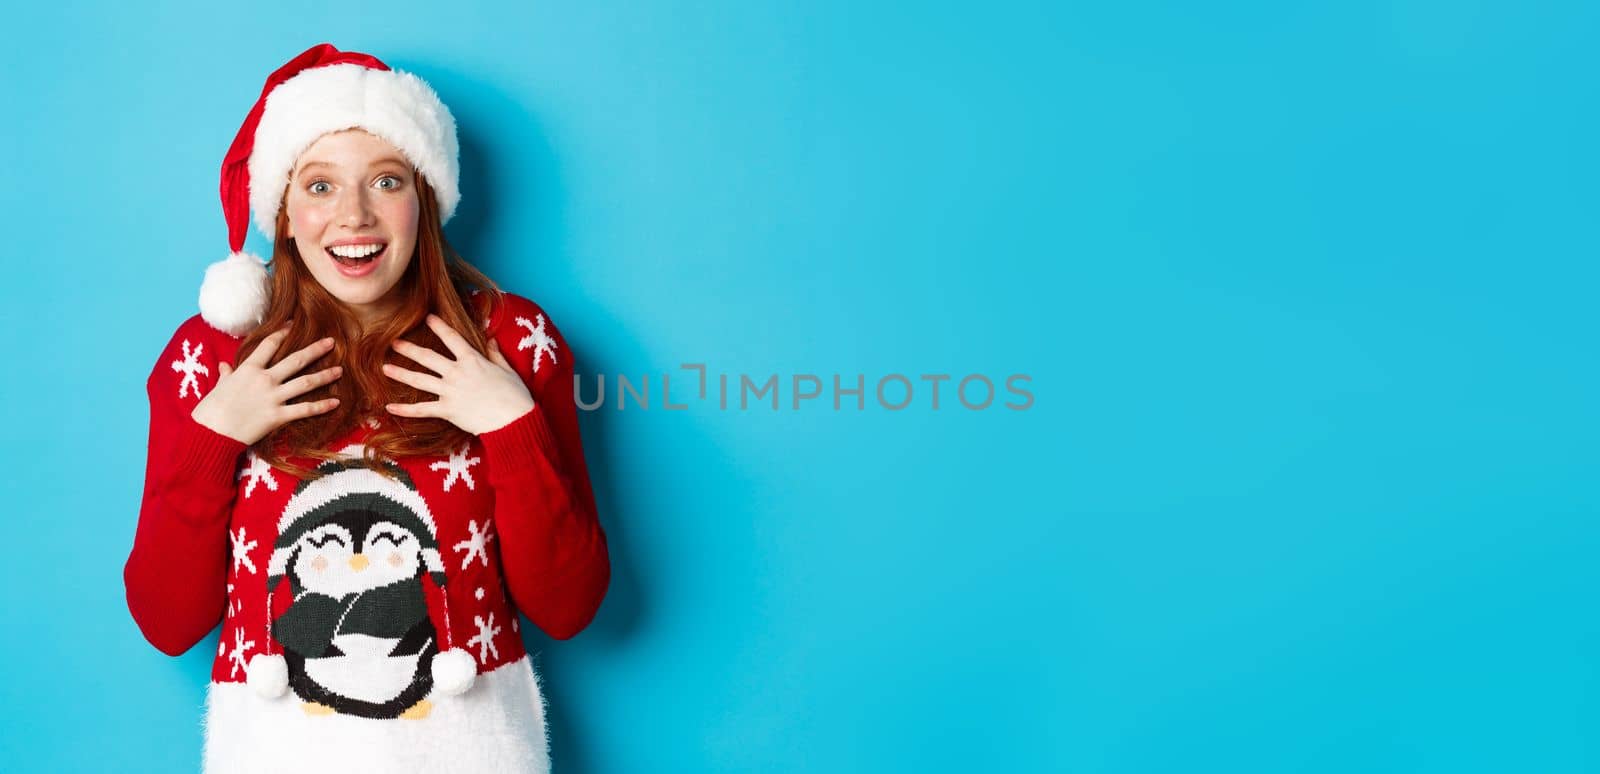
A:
365,463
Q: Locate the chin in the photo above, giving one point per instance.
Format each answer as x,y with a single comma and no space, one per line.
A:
362,299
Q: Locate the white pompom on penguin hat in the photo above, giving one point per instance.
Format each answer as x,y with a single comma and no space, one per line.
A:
320,91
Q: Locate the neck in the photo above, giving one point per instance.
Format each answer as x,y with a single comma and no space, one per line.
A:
364,318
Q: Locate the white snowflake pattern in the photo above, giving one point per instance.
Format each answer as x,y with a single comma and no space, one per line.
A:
240,645
190,366
484,639
258,471
458,465
241,551
541,342
477,545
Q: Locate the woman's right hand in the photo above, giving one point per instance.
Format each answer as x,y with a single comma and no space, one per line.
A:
248,403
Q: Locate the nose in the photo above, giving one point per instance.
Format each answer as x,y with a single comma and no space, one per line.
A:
359,562
355,210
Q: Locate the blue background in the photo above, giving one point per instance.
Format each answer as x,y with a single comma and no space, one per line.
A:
1306,295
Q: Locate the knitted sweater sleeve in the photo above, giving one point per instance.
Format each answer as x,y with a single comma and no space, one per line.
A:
552,547
176,573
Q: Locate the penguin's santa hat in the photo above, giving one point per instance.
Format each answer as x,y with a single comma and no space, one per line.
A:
358,487
320,91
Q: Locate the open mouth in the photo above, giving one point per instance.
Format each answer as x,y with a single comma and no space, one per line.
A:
356,260
356,255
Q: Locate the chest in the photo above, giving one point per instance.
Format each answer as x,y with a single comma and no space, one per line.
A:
354,526
370,559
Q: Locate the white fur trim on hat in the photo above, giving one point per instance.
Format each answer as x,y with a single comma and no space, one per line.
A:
233,296
394,105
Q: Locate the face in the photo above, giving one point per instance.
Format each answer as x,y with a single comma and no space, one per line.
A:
336,560
353,211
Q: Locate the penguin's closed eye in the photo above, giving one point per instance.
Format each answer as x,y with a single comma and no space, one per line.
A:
327,538
390,538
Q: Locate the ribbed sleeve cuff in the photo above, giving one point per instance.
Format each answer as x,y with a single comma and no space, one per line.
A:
204,455
517,449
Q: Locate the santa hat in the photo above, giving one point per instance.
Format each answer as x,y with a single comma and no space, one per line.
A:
320,91
357,487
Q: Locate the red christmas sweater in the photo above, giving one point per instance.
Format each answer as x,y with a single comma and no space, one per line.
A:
359,579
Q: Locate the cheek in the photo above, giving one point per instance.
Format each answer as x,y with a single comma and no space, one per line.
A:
406,211
306,220
395,560
320,563
402,218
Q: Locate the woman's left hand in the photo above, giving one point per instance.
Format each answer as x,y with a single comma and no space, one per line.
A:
476,393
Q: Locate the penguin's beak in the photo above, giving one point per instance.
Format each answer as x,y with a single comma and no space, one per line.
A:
359,562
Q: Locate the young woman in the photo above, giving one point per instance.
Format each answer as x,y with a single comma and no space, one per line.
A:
366,463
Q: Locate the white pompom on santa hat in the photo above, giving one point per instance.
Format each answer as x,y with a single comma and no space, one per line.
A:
320,91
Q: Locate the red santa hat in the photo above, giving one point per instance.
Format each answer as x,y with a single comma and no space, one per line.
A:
320,91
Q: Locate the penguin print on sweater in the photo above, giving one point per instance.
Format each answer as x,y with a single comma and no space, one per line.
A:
368,616
356,547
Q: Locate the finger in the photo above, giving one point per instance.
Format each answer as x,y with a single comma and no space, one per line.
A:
303,384
293,363
423,356
310,408
458,346
267,348
223,369
417,379
431,408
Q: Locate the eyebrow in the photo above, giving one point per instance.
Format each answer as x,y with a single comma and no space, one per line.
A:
395,160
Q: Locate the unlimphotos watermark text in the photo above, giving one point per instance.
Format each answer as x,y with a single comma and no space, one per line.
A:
894,392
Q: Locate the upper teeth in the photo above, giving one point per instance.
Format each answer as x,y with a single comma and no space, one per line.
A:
354,251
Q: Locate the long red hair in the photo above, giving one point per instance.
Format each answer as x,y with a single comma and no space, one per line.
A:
437,280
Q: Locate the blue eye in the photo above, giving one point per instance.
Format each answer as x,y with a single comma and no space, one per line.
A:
314,187
394,180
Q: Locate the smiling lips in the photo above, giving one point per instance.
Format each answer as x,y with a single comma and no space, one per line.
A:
357,260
